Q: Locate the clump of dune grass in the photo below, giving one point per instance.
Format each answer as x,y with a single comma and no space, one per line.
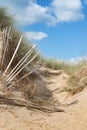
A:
75,86
6,22
68,68
5,19
77,82
23,49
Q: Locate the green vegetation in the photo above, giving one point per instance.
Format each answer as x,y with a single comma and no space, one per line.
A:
61,65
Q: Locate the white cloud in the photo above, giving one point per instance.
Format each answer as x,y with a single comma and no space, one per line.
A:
29,12
58,11
34,13
67,10
35,35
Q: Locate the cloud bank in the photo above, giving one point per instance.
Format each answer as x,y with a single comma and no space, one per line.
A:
30,12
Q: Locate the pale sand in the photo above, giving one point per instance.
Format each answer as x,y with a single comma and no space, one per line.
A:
74,117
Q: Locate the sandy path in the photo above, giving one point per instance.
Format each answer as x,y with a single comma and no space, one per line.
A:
74,117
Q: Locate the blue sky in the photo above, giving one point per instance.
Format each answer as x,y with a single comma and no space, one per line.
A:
59,27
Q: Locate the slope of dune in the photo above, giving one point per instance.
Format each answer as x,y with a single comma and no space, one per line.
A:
74,117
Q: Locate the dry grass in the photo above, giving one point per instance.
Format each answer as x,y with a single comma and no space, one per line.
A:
77,82
23,49
5,22
61,65
5,19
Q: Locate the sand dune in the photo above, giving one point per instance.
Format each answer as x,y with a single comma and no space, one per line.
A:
74,117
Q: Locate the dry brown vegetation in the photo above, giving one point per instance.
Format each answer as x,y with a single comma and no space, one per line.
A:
69,68
32,87
77,82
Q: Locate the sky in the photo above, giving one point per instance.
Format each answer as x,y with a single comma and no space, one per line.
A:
59,27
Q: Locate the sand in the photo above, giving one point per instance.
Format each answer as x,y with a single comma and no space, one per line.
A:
74,117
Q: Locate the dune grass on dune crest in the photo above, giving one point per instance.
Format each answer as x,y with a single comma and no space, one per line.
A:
23,49
68,68
77,71
7,21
